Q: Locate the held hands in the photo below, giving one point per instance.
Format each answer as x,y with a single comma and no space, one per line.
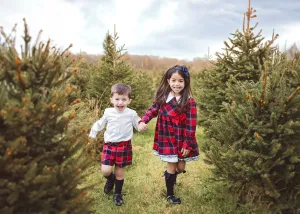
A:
142,127
184,152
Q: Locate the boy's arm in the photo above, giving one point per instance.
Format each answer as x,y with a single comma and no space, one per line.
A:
98,126
135,121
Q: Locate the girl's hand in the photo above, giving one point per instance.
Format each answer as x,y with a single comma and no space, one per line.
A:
185,152
142,127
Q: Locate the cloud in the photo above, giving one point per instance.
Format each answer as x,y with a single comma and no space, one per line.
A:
290,35
60,26
183,29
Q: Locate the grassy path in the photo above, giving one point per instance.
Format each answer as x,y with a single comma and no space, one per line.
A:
144,187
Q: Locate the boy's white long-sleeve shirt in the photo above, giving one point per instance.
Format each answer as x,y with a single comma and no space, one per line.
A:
119,125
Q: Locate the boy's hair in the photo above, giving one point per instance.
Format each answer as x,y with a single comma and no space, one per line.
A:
164,88
121,89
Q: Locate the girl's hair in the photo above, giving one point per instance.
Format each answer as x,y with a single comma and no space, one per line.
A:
164,87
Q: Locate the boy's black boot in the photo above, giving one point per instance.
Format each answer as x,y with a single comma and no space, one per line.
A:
118,197
170,179
110,182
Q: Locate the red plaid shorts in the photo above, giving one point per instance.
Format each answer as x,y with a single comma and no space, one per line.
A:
119,154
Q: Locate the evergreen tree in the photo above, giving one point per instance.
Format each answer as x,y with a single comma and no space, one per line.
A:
111,70
81,76
41,168
249,107
114,69
241,58
142,92
87,112
256,143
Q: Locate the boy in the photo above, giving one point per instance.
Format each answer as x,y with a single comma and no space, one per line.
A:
117,149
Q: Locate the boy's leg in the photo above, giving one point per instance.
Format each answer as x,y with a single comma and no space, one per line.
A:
108,160
180,168
170,179
123,158
107,173
119,173
118,198
106,170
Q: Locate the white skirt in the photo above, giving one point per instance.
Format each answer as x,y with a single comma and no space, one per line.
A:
174,158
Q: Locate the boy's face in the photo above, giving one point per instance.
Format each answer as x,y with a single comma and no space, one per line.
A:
120,102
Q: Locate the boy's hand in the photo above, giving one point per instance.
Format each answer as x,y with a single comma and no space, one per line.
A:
90,139
142,127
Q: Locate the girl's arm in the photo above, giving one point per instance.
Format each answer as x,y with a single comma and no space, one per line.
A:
191,123
98,126
150,113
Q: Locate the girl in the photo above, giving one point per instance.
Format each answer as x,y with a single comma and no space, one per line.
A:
174,139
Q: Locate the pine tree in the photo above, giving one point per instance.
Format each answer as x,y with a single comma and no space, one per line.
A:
249,107
242,56
81,77
111,70
41,168
142,92
256,143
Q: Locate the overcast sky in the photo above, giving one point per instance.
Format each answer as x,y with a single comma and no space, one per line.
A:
167,28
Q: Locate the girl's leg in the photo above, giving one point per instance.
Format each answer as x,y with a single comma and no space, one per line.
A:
118,198
180,168
107,173
170,179
171,168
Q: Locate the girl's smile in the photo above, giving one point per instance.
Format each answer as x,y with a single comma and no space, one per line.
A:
176,83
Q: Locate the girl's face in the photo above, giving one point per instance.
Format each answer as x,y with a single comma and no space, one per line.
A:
176,83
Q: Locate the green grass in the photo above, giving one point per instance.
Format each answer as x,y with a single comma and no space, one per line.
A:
144,187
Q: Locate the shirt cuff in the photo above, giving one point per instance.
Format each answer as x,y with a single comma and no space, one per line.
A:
93,134
187,146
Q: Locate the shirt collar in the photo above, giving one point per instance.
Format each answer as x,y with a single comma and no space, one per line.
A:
116,111
170,97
